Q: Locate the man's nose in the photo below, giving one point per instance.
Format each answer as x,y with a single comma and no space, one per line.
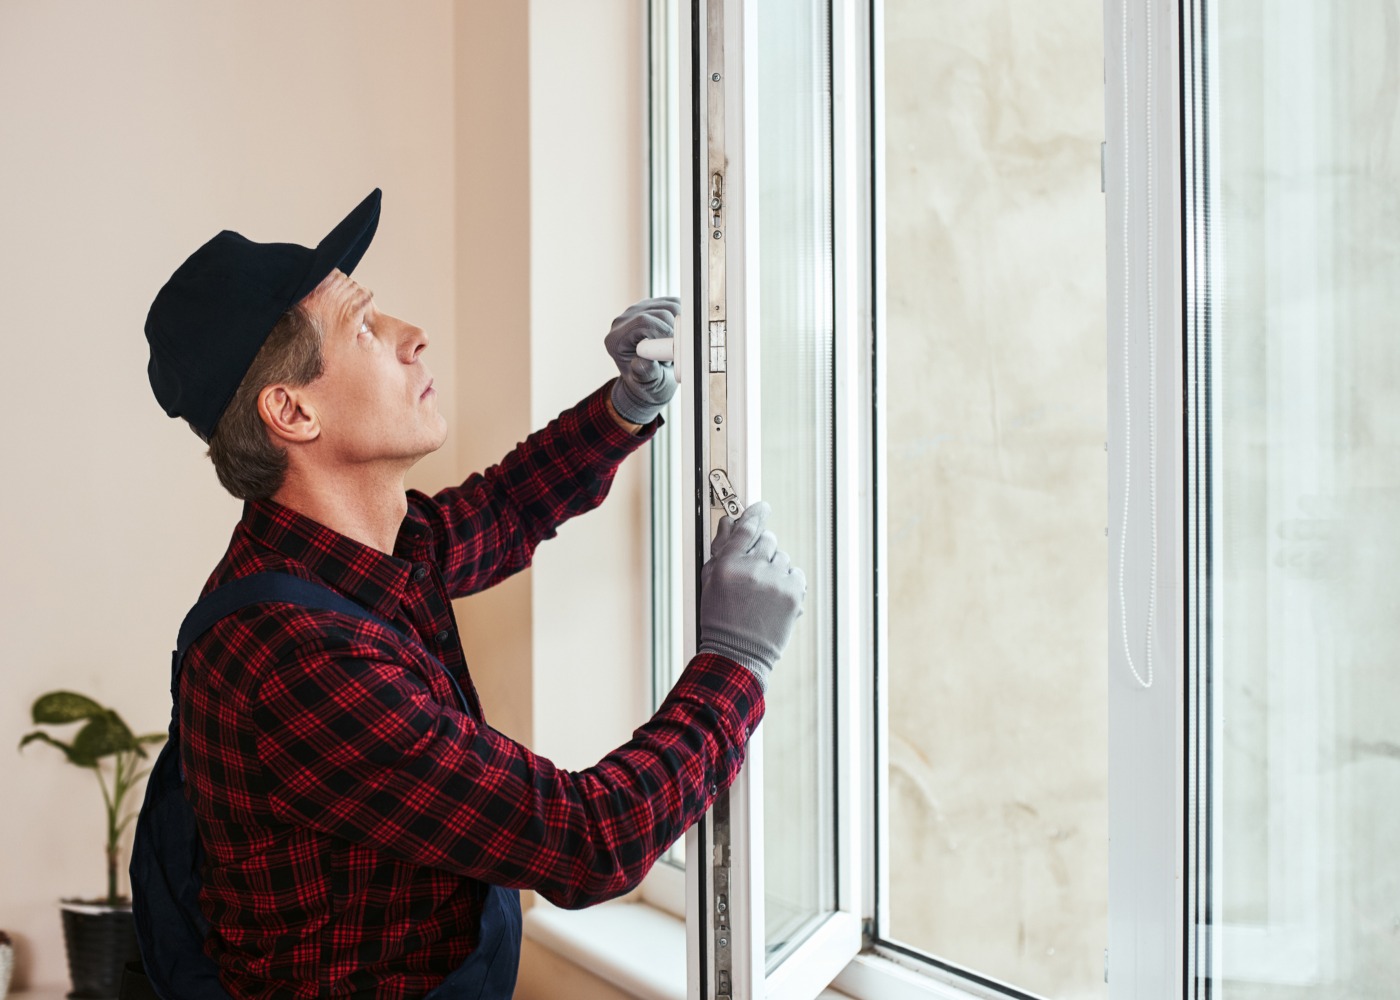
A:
413,343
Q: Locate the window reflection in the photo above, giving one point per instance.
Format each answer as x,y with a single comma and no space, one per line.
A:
797,356
1305,429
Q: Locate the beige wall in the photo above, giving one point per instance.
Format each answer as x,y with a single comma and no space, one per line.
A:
551,246
131,133
588,187
492,229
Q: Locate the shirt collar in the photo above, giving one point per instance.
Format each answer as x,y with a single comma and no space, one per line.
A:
366,575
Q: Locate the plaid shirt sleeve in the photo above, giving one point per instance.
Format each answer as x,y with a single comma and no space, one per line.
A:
360,750
350,810
488,527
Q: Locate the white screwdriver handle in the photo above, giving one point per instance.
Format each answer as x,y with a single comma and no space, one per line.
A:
657,349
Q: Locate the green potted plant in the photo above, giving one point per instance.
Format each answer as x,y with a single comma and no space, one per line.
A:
99,933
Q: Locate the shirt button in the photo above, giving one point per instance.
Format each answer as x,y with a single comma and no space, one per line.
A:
443,636
420,574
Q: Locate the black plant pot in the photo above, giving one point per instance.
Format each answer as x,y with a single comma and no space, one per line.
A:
100,940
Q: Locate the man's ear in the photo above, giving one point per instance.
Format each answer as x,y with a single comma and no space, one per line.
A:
288,415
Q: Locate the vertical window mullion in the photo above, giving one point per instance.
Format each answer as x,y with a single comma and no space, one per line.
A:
1147,710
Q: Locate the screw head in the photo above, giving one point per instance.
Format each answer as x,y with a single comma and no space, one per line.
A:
719,419
714,77
718,234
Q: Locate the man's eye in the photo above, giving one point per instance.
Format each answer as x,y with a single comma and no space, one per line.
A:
364,328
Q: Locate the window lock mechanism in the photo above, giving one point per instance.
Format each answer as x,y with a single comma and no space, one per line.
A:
723,494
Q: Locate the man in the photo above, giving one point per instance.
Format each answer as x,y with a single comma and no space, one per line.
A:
362,826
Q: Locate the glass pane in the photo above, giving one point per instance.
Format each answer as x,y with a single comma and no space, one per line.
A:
667,510
1304,775
796,313
996,571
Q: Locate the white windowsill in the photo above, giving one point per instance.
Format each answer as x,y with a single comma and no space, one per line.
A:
636,947
641,950
873,976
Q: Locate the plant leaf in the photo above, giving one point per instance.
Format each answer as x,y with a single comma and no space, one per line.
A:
103,736
73,754
148,739
58,707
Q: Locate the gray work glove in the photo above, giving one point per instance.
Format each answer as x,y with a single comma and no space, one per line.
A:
750,594
644,387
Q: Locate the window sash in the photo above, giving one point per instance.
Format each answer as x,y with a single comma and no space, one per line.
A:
834,939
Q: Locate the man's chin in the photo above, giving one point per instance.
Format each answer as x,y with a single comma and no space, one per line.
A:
436,442
442,432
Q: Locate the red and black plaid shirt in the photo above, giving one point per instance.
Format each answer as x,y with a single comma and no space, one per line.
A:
351,813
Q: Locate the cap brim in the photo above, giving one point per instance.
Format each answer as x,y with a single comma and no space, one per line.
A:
344,245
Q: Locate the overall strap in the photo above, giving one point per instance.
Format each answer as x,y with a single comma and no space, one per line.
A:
167,859
278,588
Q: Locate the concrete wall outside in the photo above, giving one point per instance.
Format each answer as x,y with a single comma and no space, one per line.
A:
997,500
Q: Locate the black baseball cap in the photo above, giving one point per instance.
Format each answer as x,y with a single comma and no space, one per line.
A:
212,317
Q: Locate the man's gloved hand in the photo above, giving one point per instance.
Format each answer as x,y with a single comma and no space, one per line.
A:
645,386
750,594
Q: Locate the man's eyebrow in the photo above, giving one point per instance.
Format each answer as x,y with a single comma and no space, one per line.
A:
361,301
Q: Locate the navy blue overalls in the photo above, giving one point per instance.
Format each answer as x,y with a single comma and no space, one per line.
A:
167,855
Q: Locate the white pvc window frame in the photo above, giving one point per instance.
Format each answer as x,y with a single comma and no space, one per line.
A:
1159,944
1146,957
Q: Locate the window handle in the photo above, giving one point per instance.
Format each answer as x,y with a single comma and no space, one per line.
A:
657,349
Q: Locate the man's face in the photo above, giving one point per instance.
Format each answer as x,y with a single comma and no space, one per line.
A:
375,400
